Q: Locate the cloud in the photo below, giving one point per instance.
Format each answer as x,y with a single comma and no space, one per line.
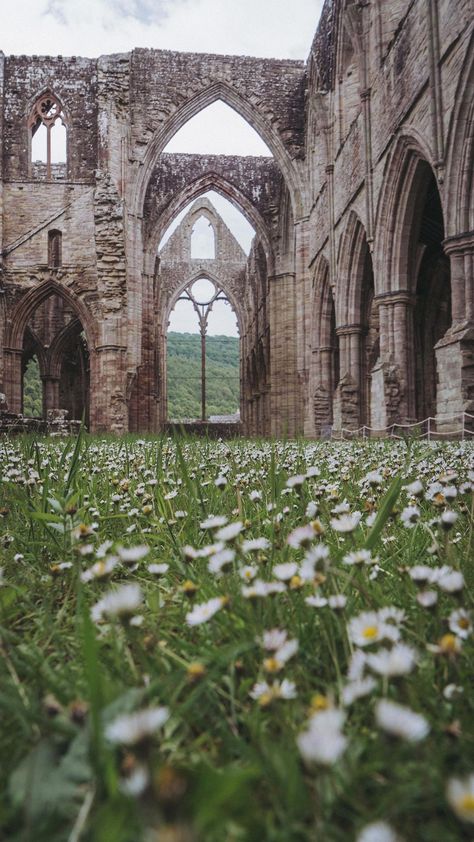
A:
267,28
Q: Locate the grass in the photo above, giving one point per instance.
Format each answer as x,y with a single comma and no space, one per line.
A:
230,761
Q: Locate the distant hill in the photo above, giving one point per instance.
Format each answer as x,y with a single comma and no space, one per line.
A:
184,375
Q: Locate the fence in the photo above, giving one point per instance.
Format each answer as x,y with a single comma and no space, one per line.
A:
425,429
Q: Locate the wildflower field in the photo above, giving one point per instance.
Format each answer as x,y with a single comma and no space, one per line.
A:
229,641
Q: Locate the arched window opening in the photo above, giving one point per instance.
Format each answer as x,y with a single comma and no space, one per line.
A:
203,240
54,336
203,378
432,312
238,225
54,249
48,138
218,130
32,388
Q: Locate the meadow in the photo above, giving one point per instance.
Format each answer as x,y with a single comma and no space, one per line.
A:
247,640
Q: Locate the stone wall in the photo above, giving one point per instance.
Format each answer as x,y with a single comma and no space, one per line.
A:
379,118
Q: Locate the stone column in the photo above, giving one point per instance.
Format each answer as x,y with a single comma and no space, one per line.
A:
285,413
302,316
50,393
455,350
108,390
12,378
348,392
397,352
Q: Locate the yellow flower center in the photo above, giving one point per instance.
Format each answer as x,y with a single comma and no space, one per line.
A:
466,803
272,664
319,702
370,632
265,699
463,623
449,643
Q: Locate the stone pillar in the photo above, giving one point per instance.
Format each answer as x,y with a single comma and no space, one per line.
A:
348,392
50,393
13,378
455,350
108,390
397,349
285,414
302,316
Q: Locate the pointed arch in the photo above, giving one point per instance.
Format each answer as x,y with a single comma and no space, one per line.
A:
32,300
247,110
198,275
352,258
460,152
399,203
229,191
46,113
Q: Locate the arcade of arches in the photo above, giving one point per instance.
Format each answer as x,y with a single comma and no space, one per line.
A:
355,304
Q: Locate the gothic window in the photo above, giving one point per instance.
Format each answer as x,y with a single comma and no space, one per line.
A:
48,134
203,240
54,249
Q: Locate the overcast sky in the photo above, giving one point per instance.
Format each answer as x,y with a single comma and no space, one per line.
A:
267,28
271,28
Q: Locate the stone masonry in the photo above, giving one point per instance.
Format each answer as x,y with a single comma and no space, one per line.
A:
356,302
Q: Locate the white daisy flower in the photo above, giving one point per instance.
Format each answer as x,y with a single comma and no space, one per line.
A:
122,602
220,560
136,782
266,693
274,638
316,601
100,570
377,832
451,582
301,536
285,571
205,610
248,572
357,689
460,795
323,741
346,523
400,721
399,660
213,522
252,545
410,516
427,598
369,627
415,489
337,601
133,728
129,555
358,557
460,623
229,532
158,569
296,481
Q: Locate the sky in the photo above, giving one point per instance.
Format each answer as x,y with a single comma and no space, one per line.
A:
266,28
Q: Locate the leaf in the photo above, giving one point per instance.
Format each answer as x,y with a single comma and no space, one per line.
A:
386,509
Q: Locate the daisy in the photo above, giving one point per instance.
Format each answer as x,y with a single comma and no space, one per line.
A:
377,832
460,795
219,560
285,571
158,569
369,627
205,610
400,721
121,603
460,623
357,689
255,544
346,523
323,741
133,728
399,660
266,693
229,532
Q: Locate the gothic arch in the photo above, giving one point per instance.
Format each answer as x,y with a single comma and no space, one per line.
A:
460,159
396,210
32,299
195,189
204,274
187,110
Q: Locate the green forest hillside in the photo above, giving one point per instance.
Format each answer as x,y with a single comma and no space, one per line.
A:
184,375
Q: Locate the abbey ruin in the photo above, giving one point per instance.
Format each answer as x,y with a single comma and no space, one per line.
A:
356,303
